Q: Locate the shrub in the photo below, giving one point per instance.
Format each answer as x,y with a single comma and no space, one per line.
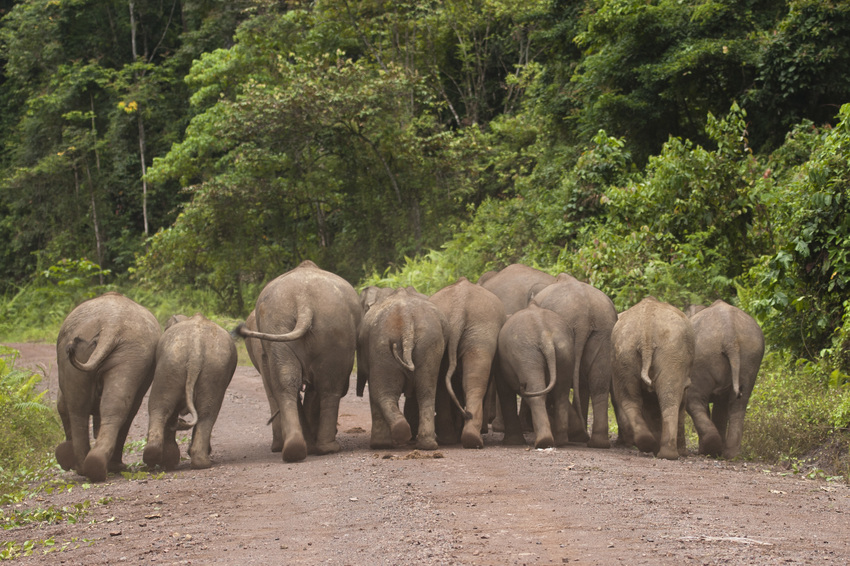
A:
29,428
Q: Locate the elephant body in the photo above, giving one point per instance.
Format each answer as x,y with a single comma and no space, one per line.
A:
307,322
728,353
653,354
535,359
195,361
106,354
399,350
515,285
590,317
474,316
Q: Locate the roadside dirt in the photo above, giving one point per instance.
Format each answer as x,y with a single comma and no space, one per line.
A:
499,505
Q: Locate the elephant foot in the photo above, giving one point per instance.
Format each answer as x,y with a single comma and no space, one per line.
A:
544,441
470,438
328,448
294,450
277,445
513,440
646,442
171,456
731,453
599,441
498,425
94,467
201,462
711,445
400,432
65,455
427,443
668,453
152,456
116,467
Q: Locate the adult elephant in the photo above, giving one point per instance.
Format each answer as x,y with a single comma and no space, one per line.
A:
195,361
535,359
105,354
728,352
307,322
590,316
653,355
475,316
515,285
399,350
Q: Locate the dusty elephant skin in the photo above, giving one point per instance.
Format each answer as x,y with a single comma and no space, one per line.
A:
475,316
195,361
254,346
590,317
515,285
728,352
105,353
307,322
653,354
535,344
399,350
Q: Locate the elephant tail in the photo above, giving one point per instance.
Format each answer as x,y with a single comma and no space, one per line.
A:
548,351
405,358
303,323
452,347
579,342
193,372
733,352
646,351
102,347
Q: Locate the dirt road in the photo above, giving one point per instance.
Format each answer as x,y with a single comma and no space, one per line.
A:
499,505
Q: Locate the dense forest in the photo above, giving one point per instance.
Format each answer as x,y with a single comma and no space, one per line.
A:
692,149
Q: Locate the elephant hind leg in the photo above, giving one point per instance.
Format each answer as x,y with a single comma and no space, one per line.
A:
95,466
65,455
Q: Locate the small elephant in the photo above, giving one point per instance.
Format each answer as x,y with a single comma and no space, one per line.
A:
475,316
653,354
106,354
535,358
307,322
399,350
590,317
371,295
728,353
195,361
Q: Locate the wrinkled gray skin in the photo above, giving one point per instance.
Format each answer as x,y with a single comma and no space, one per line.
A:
307,322
515,285
195,361
106,354
653,354
535,359
590,317
399,350
371,295
728,353
255,352
475,316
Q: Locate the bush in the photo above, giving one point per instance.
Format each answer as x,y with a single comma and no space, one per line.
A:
794,412
29,428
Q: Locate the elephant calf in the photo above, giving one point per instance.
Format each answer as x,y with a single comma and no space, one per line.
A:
105,353
728,353
653,354
399,350
535,344
195,361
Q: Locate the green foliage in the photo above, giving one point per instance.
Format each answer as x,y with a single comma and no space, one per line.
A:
29,429
794,411
798,292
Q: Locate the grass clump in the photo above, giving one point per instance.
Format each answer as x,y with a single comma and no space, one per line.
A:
797,418
29,428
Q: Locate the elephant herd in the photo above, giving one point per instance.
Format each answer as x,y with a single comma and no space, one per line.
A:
557,343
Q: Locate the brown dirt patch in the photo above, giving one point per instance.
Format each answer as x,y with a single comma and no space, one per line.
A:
499,505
